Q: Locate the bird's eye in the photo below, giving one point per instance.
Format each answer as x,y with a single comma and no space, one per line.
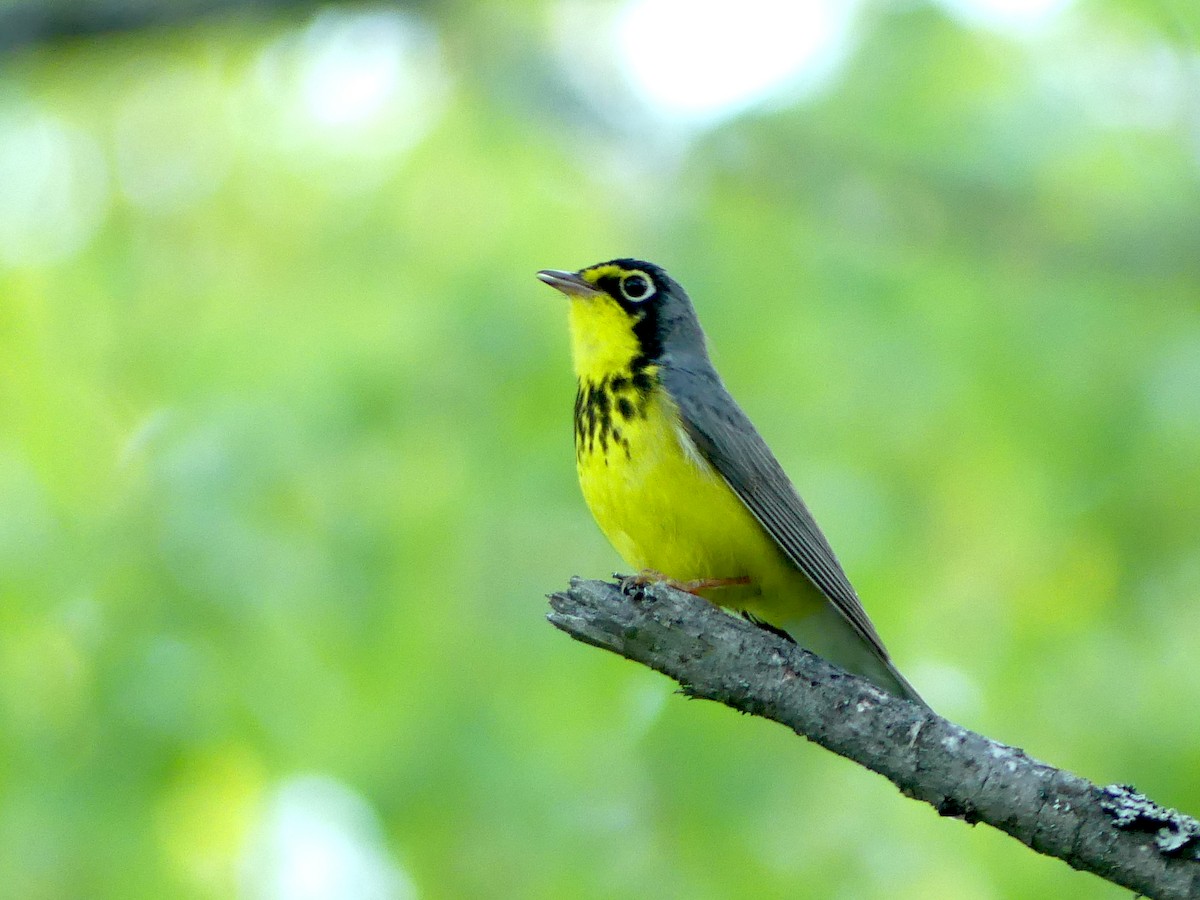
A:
636,287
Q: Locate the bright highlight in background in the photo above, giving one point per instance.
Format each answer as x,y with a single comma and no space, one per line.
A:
1006,14
708,58
320,840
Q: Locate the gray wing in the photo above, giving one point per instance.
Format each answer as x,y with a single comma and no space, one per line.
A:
728,440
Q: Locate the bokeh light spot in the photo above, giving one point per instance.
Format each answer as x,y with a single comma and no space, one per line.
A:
319,840
1006,15
715,57
354,86
55,188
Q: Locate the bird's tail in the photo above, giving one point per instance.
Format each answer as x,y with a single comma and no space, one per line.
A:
828,634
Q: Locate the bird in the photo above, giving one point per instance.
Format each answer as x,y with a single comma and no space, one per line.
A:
683,485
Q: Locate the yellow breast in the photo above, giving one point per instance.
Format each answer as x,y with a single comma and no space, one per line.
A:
657,500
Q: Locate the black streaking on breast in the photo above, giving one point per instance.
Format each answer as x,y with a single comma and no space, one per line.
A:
598,403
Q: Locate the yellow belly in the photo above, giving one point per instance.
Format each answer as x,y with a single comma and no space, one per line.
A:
663,507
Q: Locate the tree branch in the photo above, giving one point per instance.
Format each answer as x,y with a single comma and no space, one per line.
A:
1113,831
24,23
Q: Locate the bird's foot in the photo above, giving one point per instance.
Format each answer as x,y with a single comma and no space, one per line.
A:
706,584
633,584
651,576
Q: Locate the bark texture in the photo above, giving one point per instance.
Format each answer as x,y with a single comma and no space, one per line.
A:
1112,831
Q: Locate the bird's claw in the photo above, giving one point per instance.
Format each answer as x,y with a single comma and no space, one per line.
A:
635,583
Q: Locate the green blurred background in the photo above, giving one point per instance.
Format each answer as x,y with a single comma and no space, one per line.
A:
285,460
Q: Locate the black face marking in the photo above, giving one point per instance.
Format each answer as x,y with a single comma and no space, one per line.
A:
625,408
639,290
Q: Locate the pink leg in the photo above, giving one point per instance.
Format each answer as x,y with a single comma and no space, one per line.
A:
649,576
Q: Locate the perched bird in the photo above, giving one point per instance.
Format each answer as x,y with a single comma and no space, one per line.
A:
680,481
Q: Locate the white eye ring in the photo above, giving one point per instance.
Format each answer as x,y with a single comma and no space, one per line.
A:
640,281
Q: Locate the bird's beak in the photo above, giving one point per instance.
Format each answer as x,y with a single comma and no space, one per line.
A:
568,282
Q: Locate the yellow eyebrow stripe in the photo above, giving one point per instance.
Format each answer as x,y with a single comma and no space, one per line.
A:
594,274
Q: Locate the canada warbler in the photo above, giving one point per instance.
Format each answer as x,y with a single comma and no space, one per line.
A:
680,481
